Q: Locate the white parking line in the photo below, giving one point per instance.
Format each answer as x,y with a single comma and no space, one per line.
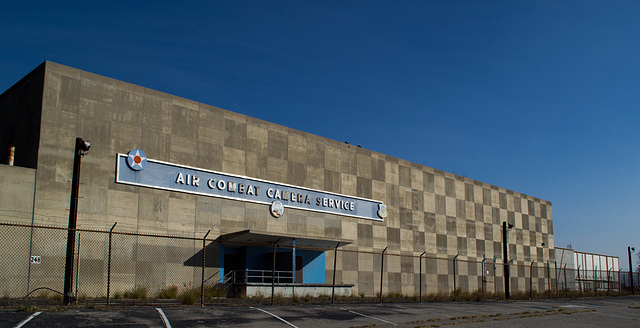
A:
164,318
27,319
275,316
368,316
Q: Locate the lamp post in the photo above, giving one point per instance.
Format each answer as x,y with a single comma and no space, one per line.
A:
505,227
81,148
630,249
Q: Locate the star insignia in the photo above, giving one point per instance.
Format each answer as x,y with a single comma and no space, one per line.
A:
136,159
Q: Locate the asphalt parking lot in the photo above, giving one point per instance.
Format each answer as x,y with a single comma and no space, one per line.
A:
593,312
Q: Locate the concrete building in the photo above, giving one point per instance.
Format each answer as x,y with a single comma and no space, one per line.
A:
250,183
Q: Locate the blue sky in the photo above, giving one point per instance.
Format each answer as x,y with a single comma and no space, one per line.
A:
540,97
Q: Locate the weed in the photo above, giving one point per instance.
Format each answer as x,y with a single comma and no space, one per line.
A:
168,292
395,295
136,293
28,308
439,297
216,290
189,296
44,294
258,296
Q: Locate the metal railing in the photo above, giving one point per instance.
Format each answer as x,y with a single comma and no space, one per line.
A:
258,276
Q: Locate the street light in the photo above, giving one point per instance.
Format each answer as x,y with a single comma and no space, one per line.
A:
506,227
81,149
630,250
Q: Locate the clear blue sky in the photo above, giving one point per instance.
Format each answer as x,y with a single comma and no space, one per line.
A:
540,97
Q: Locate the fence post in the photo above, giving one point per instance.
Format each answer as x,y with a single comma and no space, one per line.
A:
549,278
381,271
484,280
579,281
609,282
595,281
204,244
420,262
273,271
495,285
333,284
293,268
77,269
555,274
566,287
619,283
531,280
109,264
455,287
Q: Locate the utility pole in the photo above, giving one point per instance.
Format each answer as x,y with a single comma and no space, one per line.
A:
80,150
505,258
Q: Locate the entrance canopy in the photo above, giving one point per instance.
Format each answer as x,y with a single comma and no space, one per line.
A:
244,237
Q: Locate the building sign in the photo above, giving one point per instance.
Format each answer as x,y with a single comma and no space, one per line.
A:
136,169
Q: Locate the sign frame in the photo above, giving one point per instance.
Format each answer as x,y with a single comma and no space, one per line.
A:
192,184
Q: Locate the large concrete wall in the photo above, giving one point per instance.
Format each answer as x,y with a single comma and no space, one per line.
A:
429,210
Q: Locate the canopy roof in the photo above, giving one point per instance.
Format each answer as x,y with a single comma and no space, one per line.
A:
243,237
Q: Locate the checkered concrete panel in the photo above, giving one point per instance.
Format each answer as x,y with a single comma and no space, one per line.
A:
456,221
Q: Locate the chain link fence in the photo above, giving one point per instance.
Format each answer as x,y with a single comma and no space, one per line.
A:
111,266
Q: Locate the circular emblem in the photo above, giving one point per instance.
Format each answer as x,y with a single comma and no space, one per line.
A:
276,209
136,159
382,210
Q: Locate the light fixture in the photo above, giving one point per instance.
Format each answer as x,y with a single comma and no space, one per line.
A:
85,145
